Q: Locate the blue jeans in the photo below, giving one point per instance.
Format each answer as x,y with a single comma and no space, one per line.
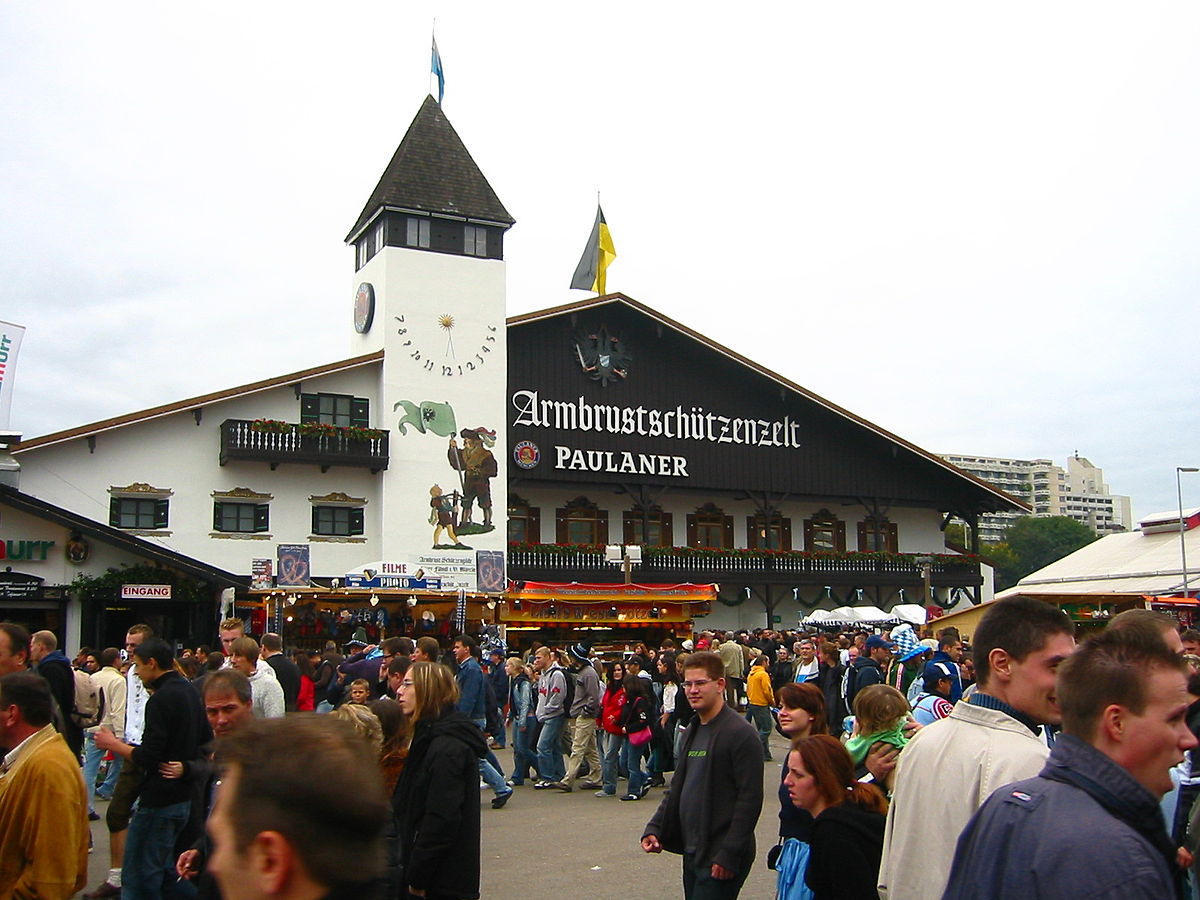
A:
490,771
91,766
150,850
610,760
549,749
631,755
698,883
523,749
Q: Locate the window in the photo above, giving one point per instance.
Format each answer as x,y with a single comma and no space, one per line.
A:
418,233
580,522
877,534
335,409
377,238
524,521
475,240
824,533
768,532
137,512
244,518
708,526
337,521
655,523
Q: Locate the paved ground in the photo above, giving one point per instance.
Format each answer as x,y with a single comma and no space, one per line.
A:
545,842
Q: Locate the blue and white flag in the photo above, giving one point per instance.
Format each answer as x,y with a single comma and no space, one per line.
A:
436,65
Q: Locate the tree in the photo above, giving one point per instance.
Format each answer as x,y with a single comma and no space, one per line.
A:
1005,564
1035,542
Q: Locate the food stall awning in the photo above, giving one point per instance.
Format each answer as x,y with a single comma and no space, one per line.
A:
623,605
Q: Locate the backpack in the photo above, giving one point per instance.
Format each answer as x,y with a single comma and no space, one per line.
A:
88,708
568,691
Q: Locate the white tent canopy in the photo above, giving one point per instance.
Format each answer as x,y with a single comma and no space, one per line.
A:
913,613
866,615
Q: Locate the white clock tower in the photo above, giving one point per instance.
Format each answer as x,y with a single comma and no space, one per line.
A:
429,289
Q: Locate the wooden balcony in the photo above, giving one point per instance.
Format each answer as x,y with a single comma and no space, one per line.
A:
585,563
289,442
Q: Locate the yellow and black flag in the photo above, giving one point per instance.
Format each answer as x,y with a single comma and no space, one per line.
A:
599,253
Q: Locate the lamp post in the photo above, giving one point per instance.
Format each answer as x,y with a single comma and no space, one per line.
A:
1182,540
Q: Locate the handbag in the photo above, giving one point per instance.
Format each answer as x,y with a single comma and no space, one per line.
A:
639,738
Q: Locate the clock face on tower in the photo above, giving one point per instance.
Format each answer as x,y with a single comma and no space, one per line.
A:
447,346
364,307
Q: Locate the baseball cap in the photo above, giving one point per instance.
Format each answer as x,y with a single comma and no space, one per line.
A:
876,641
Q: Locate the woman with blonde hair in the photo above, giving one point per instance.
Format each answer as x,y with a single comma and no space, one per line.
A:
436,802
365,722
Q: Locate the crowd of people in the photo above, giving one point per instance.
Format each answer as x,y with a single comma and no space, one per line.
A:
915,767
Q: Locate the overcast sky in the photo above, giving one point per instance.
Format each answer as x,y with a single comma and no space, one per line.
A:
975,225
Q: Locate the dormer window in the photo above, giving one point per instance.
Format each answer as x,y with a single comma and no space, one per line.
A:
370,244
417,233
474,240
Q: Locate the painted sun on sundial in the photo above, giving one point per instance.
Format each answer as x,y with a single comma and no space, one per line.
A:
422,342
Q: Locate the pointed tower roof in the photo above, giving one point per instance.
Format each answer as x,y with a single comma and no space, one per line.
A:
432,171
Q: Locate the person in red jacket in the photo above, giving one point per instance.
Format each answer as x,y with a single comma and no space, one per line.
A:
612,735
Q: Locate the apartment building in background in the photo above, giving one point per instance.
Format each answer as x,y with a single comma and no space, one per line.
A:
1078,492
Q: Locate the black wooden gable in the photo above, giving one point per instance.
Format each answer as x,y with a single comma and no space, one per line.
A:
771,434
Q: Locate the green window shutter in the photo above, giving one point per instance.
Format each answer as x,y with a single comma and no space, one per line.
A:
262,517
114,512
160,513
310,410
315,512
356,521
360,412
216,517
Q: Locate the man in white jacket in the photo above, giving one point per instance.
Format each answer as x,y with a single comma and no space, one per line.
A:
265,690
950,767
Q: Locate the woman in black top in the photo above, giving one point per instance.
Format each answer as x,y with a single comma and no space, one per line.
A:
846,840
436,802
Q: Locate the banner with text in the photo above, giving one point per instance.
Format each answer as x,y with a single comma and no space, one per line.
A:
10,345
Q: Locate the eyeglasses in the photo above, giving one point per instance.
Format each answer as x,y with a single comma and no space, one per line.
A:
406,684
689,685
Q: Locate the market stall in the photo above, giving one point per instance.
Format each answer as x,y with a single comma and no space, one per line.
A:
603,615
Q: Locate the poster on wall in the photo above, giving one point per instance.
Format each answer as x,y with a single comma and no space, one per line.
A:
262,574
489,571
294,570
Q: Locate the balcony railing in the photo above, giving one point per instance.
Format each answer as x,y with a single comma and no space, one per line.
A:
288,442
711,564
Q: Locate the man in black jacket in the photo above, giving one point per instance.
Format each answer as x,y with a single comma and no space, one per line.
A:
716,794
52,664
287,673
175,730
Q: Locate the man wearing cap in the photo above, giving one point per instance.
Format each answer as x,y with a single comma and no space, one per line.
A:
868,668
949,651
933,702
478,466
584,709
